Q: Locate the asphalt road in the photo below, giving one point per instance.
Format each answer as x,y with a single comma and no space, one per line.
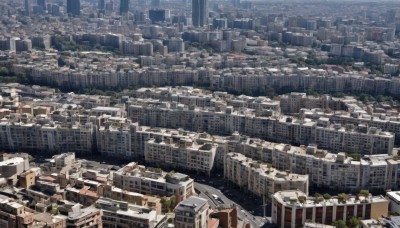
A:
206,191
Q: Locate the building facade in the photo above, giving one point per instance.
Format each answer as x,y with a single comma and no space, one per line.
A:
293,208
192,212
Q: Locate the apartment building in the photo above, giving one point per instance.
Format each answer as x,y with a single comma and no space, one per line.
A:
48,137
294,102
12,167
394,201
350,138
116,140
84,217
127,140
13,214
328,170
293,208
26,179
303,82
119,213
261,179
132,197
188,95
137,178
184,153
84,196
192,212
378,120
285,129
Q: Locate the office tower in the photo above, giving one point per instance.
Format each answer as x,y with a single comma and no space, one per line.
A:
199,12
101,5
157,15
110,7
74,7
27,8
42,3
124,7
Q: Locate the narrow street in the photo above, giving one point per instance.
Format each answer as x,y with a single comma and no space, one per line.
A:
206,191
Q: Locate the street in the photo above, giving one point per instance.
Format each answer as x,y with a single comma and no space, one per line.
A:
206,191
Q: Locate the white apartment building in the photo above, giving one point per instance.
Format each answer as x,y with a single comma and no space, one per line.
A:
13,167
337,171
293,208
115,140
137,178
261,179
183,153
118,213
48,137
394,201
285,129
192,212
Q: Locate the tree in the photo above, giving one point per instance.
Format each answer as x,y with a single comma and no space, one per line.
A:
343,197
302,199
339,224
364,192
54,211
317,195
327,196
4,71
172,202
163,202
355,156
353,222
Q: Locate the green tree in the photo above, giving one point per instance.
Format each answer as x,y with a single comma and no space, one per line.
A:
4,71
339,224
163,202
327,196
355,156
343,197
353,222
364,192
302,199
317,195
172,202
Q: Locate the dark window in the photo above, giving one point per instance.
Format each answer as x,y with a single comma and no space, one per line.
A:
318,214
329,215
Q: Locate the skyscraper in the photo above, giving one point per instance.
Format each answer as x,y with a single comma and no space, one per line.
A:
199,12
101,5
27,8
124,7
110,6
74,7
42,3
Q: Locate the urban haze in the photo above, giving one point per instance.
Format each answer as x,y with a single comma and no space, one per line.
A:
199,113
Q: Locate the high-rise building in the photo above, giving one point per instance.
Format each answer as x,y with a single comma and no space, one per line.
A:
27,8
101,5
42,3
110,7
124,7
199,12
157,15
74,7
